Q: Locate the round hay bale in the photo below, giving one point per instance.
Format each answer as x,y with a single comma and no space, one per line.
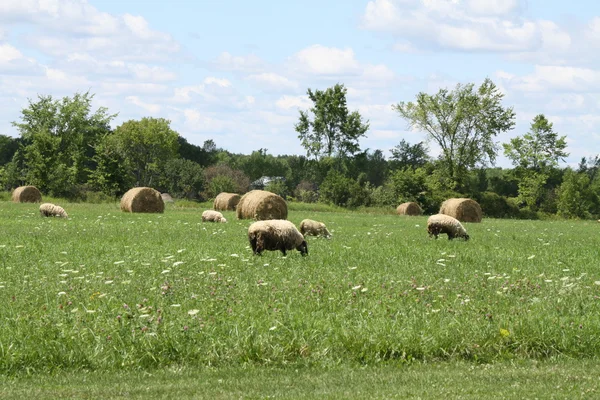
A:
261,205
464,210
410,208
142,200
26,194
166,198
226,201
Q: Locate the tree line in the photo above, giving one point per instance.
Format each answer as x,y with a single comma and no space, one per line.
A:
68,149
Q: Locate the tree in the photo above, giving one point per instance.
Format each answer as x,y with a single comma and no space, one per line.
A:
143,147
333,131
59,138
8,148
259,164
590,166
463,122
182,178
406,155
539,149
222,178
576,197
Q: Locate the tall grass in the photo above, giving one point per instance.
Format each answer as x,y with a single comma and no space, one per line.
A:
111,290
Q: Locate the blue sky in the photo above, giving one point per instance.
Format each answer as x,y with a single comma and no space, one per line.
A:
237,72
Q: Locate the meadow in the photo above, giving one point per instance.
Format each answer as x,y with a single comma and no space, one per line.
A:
112,291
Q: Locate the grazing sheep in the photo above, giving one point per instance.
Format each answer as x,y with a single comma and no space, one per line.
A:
51,210
276,234
440,223
212,216
314,228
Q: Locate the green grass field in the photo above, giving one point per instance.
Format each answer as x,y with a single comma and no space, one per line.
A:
111,291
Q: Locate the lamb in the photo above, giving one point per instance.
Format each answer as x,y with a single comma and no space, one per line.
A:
441,223
51,210
314,228
276,234
213,216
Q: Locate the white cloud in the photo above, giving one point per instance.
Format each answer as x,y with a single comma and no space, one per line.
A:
547,78
323,60
273,81
493,7
210,89
472,26
61,27
229,62
151,108
151,73
9,53
296,102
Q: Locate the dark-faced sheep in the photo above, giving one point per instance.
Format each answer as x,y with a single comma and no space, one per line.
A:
213,216
440,223
276,234
314,228
51,210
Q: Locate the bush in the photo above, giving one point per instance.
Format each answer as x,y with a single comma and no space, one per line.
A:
495,206
306,192
278,187
227,180
342,191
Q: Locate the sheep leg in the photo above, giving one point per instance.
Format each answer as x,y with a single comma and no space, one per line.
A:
257,245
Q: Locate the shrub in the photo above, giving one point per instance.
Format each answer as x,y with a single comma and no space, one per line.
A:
227,180
496,206
306,192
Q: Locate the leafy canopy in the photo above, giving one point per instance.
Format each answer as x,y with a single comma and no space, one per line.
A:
539,149
463,122
333,130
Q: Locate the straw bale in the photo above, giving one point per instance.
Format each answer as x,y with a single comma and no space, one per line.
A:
26,194
261,205
142,200
411,208
464,210
226,201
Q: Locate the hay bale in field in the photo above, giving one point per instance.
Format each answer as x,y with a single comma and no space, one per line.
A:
26,194
464,210
410,208
226,201
142,200
166,198
261,205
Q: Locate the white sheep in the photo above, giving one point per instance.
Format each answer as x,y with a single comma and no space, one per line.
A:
441,223
276,234
314,228
51,210
213,216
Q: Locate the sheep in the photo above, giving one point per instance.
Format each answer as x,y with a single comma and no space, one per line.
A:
441,223
314,228
213,216
276,234
51,210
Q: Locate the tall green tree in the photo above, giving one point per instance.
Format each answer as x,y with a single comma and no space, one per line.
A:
59,138
463,122
539,149
259,164
8,148
406,155
142,149
577,198
333,130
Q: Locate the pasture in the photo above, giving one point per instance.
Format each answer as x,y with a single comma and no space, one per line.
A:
113,291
